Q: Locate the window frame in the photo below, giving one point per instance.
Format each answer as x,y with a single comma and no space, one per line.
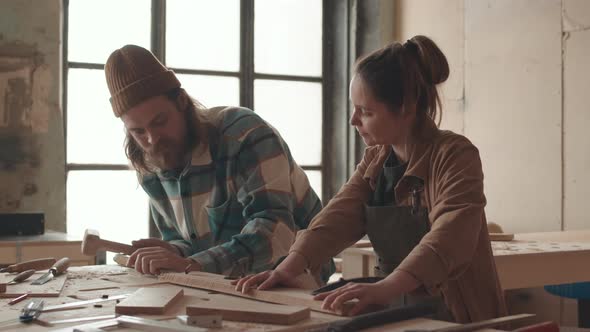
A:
335,155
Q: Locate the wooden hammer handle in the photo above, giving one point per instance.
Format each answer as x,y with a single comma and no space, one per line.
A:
61,266
116,247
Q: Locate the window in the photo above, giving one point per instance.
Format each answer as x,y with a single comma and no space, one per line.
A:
267,55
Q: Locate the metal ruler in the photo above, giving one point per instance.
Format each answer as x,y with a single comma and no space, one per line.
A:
83,303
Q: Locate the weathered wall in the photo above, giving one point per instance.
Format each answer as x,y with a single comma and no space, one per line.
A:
32,176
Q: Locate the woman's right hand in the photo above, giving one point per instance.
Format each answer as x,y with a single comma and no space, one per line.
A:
266,280
285,274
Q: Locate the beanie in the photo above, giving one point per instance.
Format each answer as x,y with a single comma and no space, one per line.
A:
134,75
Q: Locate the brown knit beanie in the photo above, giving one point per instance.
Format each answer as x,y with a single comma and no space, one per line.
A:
134,75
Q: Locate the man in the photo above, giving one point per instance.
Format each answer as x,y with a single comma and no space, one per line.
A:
225,192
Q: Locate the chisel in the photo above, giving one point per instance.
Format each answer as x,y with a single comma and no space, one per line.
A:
35,264
21,277
58,268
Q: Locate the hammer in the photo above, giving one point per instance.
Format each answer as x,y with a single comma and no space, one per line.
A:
93,243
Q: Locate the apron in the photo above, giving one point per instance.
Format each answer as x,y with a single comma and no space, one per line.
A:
395,230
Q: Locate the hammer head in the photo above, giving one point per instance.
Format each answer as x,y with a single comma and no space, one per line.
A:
91,242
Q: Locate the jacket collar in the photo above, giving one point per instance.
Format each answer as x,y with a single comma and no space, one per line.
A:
418,161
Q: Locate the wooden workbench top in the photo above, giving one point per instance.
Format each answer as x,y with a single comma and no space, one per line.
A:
115,280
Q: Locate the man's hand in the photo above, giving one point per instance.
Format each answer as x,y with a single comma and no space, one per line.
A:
155,242
153,260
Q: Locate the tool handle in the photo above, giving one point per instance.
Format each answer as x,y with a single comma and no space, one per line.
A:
23,275
35,264
116,247
61,265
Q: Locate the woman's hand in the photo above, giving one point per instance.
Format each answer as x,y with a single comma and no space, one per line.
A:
266,280
381,293
378,293
285,274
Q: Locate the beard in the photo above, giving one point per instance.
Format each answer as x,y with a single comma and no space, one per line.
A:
168,155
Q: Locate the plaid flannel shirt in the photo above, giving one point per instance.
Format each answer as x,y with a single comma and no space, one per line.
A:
241,200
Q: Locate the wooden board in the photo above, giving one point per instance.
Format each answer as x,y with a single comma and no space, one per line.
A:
49,289
501,236
149,301
255,313
216,282
528,264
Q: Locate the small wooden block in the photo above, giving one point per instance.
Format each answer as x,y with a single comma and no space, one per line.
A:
2,288
501,236
207,321
149,301
255,313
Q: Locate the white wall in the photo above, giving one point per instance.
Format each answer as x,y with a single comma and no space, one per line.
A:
518,79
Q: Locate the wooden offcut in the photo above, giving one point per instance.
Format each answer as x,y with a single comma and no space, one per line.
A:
216,282
149,301
2,287
259,312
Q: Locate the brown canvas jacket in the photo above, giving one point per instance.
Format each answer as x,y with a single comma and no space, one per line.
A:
455,257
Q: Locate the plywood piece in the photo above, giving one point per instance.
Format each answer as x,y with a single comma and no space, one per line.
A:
50,289
150,301
216,282
256,312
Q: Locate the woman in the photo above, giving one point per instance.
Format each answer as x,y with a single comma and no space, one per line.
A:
417,194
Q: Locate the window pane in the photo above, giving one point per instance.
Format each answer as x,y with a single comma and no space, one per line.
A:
212,90
97,28
315,179
203,34
111,202
95,135
295,110
288,37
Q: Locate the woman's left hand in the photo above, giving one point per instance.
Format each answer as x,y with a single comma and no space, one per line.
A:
377,293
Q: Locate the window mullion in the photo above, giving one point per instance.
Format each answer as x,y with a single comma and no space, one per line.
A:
247,53
158,29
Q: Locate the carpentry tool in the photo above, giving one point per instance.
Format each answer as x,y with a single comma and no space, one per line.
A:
137,323
35,264
93,243
378,318
78,304
21,277
58,268
479,325
18,299
541,327
28,314
121,259
341,282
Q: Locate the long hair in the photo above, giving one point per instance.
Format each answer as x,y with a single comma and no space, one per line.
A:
195,119
407,75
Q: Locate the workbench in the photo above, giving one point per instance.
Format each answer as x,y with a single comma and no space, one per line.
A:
117,280
16,249
530,260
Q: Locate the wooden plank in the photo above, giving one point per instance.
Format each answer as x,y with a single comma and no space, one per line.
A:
50,289
501,236
216,282
149,301
259,312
